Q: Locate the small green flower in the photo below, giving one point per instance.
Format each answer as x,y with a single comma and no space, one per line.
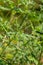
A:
9,56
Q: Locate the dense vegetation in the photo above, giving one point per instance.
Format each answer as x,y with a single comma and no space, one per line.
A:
21,32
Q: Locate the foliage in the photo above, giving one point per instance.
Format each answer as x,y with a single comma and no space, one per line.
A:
21,32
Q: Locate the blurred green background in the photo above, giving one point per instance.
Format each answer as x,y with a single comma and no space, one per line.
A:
21,32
